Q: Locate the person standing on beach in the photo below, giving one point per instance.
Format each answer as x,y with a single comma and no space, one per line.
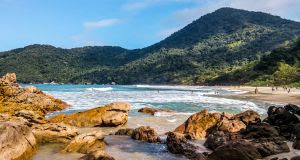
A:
256,90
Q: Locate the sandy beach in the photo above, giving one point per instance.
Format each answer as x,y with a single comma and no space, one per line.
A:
266,94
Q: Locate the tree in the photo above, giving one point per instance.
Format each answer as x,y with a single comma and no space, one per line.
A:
285,74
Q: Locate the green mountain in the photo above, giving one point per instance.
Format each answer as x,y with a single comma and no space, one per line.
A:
280,67
215,44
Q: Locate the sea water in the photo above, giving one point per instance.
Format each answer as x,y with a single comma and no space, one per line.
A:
185,100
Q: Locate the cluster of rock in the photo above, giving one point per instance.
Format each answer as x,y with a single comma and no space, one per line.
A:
236,137
14,98
143,133
23,125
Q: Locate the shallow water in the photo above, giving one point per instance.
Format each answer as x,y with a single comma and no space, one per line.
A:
186,100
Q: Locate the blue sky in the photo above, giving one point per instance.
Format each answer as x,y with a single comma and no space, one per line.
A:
126,23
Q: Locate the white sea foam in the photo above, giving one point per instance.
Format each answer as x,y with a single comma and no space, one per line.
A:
100,89
183,101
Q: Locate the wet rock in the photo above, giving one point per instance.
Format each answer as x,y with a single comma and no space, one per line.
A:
111,115
152,111
260,130
146,134
87,143
284,118
235,150
126,131
248,117
198,124
270,146
215,140
54,132
97,155
16,98
16,141
178,144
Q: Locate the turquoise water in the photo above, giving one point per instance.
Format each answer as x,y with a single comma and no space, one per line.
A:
183,99
186,100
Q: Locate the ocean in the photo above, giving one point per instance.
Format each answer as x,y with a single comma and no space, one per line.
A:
185,100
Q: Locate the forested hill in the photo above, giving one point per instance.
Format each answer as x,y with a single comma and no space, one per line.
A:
199,53
279,68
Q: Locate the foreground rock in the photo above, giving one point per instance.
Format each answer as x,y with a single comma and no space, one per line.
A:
97,155
235,150
198,124
111,115
54,132
177,143
152,111
87,143
16,98
146,134
143,133
16,141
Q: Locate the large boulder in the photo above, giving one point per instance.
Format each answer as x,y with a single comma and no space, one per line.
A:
152,111
198,124
236,150
178,143
145,134
284,118
111,115
97,155
54,132
16,141
87,143
15,98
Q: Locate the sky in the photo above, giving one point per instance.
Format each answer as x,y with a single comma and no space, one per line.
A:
127,23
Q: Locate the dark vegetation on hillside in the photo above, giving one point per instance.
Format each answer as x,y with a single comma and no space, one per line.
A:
279,68
201,53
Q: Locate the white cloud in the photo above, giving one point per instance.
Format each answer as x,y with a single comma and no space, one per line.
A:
100,23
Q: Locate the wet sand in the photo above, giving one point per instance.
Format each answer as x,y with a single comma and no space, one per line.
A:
265,94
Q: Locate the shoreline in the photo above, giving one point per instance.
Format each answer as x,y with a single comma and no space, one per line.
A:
265,94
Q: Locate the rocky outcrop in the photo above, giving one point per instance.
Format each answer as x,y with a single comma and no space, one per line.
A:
111,115
54,132
235,150
16,98
152,111
16,141
86,143
177,143
125,131
198,124
145,134
97,155
258,139
284,118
